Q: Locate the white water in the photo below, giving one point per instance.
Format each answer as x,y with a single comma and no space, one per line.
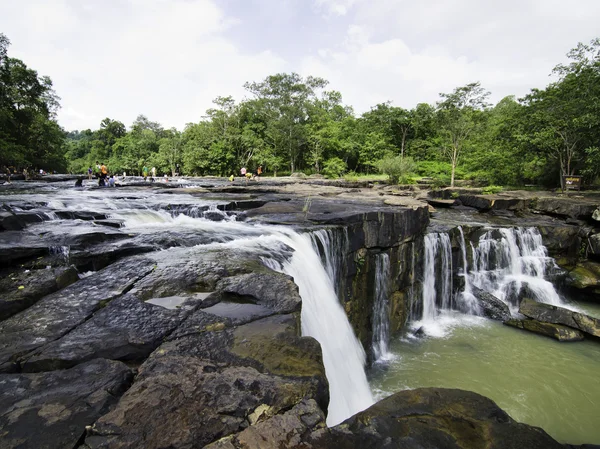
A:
467,302
507,260
437,278
381,309
324,319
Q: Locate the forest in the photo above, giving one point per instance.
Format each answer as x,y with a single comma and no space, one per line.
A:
289,123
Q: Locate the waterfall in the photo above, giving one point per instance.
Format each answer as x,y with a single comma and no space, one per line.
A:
381,308
324,319
511,262
467,302
437,276
333,245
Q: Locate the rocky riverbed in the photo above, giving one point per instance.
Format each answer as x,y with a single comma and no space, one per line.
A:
149,316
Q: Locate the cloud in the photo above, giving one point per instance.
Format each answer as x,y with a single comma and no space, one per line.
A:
408,52
164,59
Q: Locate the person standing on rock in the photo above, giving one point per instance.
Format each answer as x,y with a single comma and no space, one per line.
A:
243,173
145,172
89,172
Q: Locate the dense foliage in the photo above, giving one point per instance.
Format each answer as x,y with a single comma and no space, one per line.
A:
29,133
291,124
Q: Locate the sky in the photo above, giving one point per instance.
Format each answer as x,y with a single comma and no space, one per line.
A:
168,59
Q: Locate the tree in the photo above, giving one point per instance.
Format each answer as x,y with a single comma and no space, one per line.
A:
564,118
460,115
29,133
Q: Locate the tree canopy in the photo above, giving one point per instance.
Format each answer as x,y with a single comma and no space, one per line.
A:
292,123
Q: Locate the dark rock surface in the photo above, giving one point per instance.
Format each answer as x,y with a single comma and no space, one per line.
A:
432,418
58,313
565,206
210,381
556,331
20,289
51,410
127,329
559,315
491,306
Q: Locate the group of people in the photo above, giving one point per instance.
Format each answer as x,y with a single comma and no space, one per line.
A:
247,174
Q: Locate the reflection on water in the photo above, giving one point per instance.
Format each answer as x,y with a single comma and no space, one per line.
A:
537,380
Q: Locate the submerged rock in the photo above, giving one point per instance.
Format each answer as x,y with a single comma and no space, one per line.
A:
432,418
52,410
491,306
557,331
559,315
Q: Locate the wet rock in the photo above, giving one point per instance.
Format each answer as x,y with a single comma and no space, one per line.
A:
491,306
489,202
567,207
80,215
559,315
127,329
274,290
432,418
585,276
556,331
51,410
58,313
594,245
23,288
16,221
281,431
561,240
100,256
210,381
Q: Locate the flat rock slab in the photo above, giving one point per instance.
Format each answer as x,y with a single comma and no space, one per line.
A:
128,329
556,331
51,410
60,312
491,306
22,288
559,315
432,418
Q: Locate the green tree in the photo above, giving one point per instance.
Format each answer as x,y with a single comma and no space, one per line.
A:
460,115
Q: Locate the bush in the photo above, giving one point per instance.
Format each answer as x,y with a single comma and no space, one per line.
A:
398,169
334,167
491,190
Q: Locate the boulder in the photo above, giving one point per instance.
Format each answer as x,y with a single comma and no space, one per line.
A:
491,306
585,276
432,418
51,410
21,289
556,331
559,315
209,381
59,313
491,202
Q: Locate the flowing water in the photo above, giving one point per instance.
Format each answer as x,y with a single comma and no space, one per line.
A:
535,379
381,308
177,224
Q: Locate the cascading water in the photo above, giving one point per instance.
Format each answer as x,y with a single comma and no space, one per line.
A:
507,261
381,306
324,319
437,269
332,244
467,302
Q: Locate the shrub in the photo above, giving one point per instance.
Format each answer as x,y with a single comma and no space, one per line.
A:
399,170
334,167
491,190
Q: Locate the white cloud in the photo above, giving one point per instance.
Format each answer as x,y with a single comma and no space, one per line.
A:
165,59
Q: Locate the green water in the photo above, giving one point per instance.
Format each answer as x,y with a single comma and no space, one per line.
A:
537,380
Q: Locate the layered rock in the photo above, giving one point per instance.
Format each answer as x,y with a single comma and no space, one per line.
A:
559,315
556,331
491,306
